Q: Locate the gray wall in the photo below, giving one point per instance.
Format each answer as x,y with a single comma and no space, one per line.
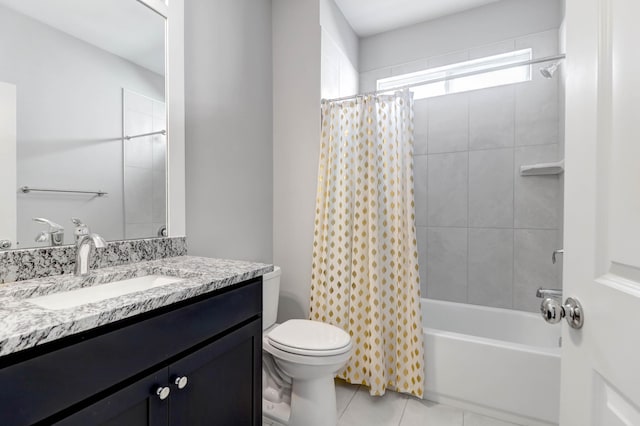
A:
483,25
339,53
314,55
336,26
229,128
296,146
69,123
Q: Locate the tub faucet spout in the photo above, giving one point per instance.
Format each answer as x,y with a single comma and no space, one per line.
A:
544,293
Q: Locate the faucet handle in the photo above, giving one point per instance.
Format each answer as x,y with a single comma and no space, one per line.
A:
555,253
81,228
77,222
53,227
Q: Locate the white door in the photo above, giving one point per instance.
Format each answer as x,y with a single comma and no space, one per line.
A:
8,188
601,362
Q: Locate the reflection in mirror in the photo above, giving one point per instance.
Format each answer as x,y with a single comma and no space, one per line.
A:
84,82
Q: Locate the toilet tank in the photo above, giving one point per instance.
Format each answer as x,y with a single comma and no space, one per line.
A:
270,296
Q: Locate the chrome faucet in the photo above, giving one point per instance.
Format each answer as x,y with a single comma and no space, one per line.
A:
545,293
83,251
55,233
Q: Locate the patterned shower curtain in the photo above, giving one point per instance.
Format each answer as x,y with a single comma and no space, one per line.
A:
365,260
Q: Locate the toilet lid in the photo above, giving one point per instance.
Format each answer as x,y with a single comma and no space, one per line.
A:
309,337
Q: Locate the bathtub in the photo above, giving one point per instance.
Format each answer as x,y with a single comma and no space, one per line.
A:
498,362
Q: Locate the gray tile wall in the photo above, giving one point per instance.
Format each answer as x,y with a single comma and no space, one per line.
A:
485,233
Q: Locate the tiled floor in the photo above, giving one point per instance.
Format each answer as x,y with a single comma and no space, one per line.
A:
357,408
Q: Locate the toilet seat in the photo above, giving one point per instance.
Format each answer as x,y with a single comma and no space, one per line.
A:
309,338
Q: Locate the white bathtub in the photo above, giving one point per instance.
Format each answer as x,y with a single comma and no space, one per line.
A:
498,362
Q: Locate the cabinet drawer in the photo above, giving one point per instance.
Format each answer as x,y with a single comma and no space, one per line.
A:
37,385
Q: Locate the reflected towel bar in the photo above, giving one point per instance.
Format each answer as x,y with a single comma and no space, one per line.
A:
27,189
159,132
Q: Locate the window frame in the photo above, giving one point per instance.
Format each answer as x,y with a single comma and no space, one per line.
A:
445,75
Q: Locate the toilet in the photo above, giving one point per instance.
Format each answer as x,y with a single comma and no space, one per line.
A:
299,361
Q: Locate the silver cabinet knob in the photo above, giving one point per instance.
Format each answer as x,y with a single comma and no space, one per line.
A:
5,244
553,311
181,381
163,392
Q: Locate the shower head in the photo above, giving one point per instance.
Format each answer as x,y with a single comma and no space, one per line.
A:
549,70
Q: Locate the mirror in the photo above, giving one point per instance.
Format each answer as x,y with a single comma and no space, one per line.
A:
82,121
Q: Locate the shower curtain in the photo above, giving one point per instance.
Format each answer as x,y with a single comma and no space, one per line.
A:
365,260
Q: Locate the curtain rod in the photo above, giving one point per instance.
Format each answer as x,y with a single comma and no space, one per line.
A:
453,77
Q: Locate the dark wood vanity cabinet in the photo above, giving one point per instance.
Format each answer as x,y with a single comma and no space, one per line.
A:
205,353
220,379
133,405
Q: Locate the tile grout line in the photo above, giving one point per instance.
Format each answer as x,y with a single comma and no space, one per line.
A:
514,177
495,148
349,403
426,200
404,409
468,191
491,227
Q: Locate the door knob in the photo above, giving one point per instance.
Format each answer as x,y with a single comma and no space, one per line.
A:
553,311
163,392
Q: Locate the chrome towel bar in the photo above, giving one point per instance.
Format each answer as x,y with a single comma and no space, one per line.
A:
159,132
27,189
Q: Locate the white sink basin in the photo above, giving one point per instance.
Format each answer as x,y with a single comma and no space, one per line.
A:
98,292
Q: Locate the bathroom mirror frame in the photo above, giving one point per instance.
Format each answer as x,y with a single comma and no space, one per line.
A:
173,13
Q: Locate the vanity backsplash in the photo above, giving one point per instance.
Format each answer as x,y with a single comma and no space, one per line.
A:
19,265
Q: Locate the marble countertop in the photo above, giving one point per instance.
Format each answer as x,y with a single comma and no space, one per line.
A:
24,325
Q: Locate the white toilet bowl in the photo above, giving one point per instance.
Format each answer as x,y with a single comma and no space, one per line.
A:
300,360
310,353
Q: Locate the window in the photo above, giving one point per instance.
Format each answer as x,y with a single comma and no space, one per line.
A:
443,83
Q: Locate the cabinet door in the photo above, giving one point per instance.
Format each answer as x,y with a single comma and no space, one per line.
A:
224,381
136,405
